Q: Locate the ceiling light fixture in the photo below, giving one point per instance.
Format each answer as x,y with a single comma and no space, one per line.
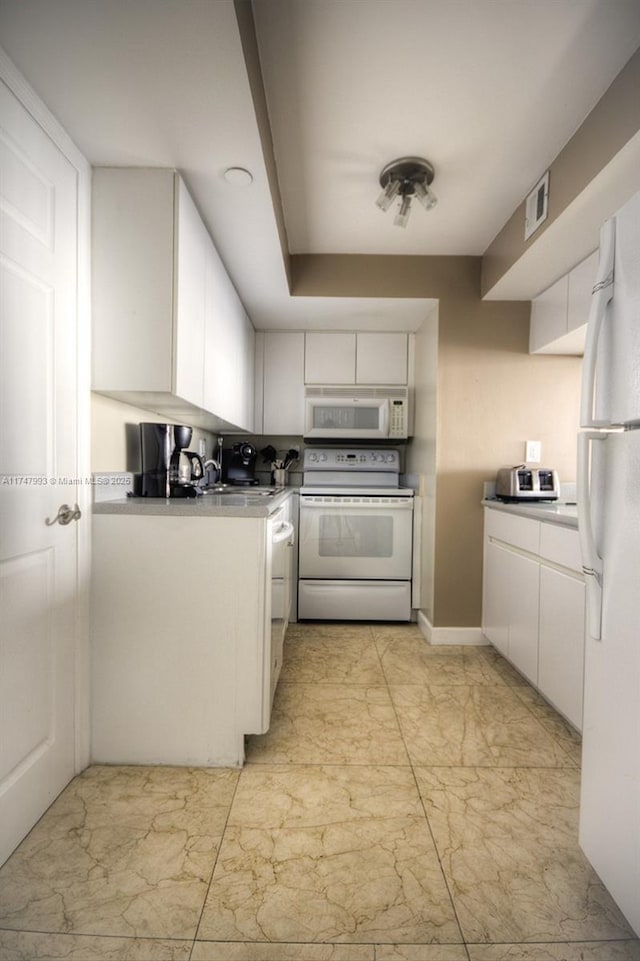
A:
238,176
406,178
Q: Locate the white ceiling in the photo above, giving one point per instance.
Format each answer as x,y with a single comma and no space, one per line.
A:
488,90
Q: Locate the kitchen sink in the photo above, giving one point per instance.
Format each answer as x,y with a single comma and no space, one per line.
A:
243,491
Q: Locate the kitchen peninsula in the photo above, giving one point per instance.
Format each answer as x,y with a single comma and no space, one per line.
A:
190,602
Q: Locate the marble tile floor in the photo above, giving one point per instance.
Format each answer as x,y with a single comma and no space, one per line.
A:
409,803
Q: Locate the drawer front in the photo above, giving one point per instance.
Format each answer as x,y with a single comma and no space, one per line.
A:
521,532
561,545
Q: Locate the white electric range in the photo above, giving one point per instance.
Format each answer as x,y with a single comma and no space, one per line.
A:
356,536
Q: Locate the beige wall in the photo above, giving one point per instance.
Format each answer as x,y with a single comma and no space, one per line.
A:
492,397
115,442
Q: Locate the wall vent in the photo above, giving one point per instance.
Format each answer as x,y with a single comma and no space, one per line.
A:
536,206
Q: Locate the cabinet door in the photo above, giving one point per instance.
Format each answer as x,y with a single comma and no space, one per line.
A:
283,403
549,316
562,626
132,235
523,587
330,358
229,348
495,596
510,606
381,358
192,241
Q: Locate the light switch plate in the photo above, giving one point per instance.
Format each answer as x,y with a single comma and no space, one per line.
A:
533,452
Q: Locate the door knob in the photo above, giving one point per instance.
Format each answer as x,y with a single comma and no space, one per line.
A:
65,515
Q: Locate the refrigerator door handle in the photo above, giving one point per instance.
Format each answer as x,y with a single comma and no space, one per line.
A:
591,560
600,297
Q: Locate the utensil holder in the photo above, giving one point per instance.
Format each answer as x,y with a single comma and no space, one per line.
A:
280,477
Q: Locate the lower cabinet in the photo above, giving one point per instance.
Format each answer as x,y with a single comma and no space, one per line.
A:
524,620
533,607
181,619
510,607
562,632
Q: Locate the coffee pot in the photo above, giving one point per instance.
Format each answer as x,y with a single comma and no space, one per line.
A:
167,468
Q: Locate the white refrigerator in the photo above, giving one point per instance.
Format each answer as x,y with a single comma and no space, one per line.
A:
609,524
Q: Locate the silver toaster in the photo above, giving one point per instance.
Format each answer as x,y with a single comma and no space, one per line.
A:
527,484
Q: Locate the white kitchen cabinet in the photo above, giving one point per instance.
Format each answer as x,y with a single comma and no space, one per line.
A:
281,382
495,607
229,348
163,306
288,360
562,620
338,357
562,633
381,358
523,585
181,637
559,314
330,358
533,608
190,294
510,604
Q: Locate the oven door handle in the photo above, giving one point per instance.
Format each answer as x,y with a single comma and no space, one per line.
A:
384,503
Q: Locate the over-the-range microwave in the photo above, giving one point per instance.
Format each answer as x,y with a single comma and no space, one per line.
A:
351,413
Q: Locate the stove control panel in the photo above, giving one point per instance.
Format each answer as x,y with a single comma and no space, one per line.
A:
356,459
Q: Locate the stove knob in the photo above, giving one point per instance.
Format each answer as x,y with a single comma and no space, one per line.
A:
313,457
390,458
323,457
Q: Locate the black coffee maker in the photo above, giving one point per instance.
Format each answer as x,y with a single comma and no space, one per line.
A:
239,465
168,469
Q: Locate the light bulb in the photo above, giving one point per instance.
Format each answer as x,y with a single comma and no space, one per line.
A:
402,217
425,195
388,195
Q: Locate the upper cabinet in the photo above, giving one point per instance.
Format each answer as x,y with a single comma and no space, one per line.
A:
280,391
286,361
559,314
330,358
169,331
356,358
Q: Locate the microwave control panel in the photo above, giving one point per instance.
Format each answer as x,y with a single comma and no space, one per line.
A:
398,418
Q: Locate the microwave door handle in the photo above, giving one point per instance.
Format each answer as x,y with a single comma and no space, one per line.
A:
602,294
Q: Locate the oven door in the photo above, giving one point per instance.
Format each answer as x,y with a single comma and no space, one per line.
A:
359,537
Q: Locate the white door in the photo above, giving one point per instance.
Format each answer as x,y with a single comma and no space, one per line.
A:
38,468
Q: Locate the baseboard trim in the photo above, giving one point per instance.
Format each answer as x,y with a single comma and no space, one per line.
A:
450,635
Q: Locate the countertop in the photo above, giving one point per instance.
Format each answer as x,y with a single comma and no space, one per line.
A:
551,512
240,504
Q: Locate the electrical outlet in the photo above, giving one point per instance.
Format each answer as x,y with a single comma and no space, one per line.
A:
533,452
